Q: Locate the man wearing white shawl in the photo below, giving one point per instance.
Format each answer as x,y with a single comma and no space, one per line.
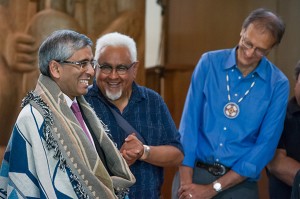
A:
49,155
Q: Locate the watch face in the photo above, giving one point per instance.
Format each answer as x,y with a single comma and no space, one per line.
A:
217,186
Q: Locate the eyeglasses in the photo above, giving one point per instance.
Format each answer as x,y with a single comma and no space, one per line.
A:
120,69
82,64
258,51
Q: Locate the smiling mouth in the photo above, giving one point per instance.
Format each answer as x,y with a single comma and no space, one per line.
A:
113,84
84,81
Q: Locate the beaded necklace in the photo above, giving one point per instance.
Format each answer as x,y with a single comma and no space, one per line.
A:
231,109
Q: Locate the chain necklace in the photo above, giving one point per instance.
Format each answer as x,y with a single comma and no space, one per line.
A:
232,109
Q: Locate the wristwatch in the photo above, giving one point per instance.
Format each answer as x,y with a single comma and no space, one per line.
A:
146,152
217,186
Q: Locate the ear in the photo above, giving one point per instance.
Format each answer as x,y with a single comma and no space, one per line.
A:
54,69
135,69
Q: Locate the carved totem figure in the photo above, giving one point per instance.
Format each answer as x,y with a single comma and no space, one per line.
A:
24,24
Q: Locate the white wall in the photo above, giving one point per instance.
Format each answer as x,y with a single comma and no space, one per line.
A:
153,32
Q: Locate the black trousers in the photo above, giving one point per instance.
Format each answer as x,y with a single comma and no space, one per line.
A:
296,187
244,190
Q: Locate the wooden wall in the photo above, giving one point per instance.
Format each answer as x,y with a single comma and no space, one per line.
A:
196,26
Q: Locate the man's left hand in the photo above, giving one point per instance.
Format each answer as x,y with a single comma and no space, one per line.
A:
132,149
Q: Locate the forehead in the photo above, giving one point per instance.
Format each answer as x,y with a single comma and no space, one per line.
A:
83,53
114,54
259,36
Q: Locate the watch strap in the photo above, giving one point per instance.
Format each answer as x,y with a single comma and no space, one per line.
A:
146,152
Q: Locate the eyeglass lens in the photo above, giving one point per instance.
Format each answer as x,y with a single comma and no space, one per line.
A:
258,51
120,69
81,64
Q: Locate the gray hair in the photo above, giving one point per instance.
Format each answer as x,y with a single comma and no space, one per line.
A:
116,39
60,45
266,20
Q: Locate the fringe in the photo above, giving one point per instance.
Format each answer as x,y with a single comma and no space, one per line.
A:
52,144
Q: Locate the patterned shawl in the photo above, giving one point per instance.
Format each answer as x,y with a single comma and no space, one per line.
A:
49,156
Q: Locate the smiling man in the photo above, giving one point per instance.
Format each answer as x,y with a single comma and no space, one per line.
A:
138,119
233,114
59,148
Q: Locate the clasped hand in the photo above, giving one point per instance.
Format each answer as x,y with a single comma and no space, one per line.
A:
190,191
132,149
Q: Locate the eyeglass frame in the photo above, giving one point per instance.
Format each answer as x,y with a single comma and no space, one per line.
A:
82,64
258,51
126,67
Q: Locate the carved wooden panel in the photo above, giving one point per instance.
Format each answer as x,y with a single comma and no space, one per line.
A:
24,24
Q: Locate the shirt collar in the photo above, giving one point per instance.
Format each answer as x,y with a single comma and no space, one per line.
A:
231,60
137,93
69,101
260,70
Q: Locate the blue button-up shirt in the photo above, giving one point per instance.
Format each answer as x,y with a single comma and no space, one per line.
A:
248,142
149,115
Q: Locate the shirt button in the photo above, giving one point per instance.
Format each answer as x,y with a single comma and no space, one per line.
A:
221,144
225,128
217,160
240,77
236,94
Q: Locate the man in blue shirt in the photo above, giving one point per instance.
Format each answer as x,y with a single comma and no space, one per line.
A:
114,88
233,114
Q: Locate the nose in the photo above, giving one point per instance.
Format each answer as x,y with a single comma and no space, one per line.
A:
250,52
90,70
113,74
